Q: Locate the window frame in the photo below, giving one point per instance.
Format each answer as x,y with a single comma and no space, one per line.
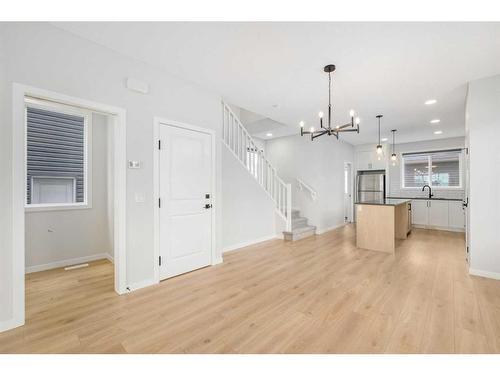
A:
87,152
429,162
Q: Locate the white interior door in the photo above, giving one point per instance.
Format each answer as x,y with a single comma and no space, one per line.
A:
185,170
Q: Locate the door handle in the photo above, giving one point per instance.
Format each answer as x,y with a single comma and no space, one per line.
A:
207,206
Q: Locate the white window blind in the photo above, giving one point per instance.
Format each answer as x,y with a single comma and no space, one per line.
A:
437,169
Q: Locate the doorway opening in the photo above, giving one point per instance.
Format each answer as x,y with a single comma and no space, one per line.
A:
69,189
69,200
348,193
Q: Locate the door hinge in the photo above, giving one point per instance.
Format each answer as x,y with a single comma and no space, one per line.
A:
159,260
159,202
159,144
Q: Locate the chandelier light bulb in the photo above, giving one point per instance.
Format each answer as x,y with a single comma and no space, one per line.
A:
357,120
320,114
312,129
301,124
351,113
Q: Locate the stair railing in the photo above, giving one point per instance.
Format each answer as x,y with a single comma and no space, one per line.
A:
303,186
243,147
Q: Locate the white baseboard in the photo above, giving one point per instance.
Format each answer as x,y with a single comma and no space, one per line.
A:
217,261
324,230
10,324
67,262
248,243
488,274
141,284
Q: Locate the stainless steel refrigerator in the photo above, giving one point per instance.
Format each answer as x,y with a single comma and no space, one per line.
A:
370,186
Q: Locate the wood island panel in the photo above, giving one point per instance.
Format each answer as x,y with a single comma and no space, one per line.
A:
401,221
375,229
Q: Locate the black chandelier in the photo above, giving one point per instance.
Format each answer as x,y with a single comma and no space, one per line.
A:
328,129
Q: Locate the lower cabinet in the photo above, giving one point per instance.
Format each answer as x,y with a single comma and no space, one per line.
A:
437,214
456,213
419,212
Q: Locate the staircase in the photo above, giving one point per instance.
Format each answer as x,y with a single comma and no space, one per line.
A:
300,228
241,144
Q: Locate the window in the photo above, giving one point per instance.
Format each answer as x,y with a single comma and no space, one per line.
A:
440,169
56,155
252,161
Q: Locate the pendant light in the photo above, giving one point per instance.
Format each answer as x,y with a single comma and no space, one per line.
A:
394,157
380,150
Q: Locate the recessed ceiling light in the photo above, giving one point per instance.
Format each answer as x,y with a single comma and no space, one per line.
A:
437,132
384,139
269,134
435,121
430,101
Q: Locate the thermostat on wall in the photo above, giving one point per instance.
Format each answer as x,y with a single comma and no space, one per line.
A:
133,164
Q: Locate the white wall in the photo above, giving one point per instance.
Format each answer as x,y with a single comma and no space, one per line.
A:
55,238
393,173
483,138
5,191
320,164
41,55
247,210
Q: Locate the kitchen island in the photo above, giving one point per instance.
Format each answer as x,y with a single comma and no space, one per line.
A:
380,222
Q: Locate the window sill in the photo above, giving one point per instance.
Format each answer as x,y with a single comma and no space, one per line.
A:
56,207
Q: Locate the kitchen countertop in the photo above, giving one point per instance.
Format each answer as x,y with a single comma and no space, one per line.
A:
386,202
429,199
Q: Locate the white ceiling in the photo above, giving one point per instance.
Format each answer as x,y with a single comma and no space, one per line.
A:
276,69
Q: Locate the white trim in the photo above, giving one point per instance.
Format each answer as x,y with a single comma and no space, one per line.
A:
19,92
157,122
10,324
488,274
328,229
141,284
248,243
67,262
433,227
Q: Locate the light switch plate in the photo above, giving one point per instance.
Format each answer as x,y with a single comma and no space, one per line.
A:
140,197
134,164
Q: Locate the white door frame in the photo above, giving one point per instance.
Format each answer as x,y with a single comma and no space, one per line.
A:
19,92
349,165
157,122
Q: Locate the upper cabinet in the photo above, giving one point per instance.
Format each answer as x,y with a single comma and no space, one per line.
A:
368,160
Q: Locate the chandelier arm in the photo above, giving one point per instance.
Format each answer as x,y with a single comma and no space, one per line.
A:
318,134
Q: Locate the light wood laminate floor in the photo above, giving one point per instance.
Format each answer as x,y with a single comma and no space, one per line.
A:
317,295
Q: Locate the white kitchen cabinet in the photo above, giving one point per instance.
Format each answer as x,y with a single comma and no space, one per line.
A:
438,214
456,215
419,212
368,160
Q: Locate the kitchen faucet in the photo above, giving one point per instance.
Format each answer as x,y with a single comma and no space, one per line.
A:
430,190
